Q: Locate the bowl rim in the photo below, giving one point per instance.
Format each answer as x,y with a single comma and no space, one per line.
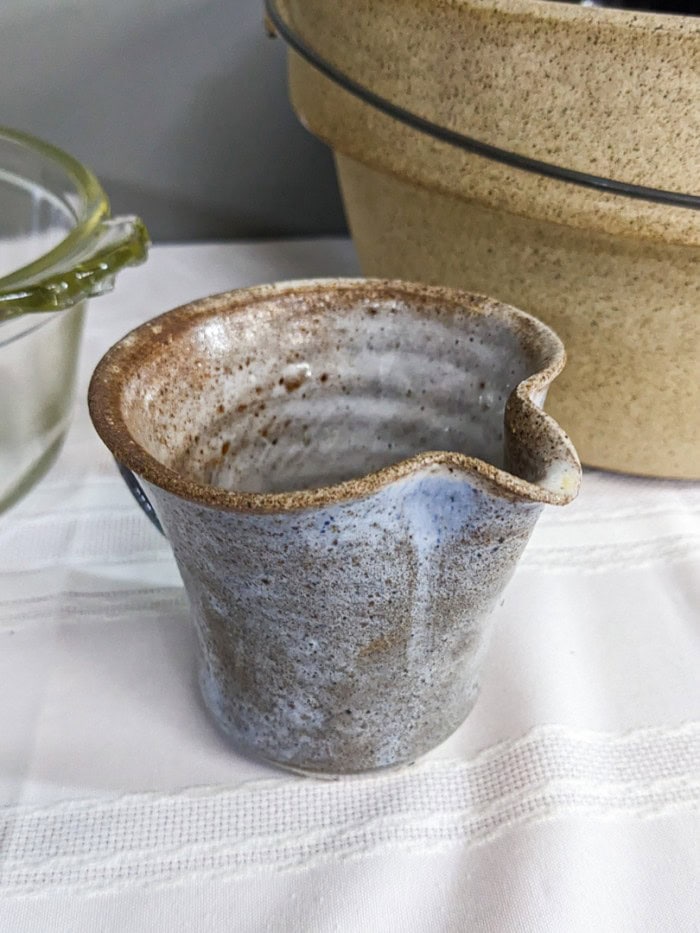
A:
94,208
549,9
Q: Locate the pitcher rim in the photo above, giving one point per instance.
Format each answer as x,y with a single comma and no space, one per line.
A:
118,364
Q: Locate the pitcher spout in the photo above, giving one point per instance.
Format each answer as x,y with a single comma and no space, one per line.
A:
536,449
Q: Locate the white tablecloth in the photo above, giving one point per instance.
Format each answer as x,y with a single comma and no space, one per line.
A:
569,800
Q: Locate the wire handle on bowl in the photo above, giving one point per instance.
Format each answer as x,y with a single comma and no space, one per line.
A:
276,24
136,490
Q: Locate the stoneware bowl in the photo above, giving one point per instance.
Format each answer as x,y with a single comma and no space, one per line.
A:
540,152
347,472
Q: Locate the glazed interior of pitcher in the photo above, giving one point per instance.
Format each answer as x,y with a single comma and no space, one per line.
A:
310,388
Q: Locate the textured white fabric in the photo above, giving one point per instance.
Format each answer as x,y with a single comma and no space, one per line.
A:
569,800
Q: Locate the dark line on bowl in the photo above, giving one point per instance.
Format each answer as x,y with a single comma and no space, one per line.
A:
468,143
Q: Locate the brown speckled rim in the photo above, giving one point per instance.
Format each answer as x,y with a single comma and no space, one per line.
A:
125,358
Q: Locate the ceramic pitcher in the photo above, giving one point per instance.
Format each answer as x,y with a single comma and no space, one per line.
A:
347,472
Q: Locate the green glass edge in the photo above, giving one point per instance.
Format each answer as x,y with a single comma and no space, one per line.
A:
83,279
95,208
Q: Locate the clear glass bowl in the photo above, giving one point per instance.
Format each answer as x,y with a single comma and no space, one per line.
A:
58,247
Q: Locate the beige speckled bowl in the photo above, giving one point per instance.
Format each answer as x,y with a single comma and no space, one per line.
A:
608,93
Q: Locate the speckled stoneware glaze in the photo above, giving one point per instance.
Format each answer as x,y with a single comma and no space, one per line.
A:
609,92
347,472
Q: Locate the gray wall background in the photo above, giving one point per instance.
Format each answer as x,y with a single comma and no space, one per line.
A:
179,106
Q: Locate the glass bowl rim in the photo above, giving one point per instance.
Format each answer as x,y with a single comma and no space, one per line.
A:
94,206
